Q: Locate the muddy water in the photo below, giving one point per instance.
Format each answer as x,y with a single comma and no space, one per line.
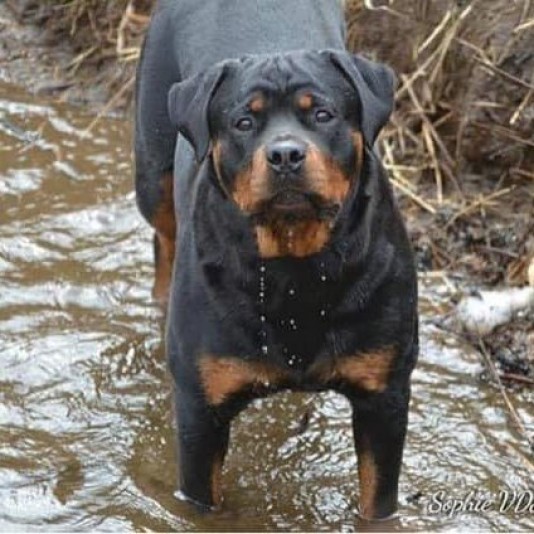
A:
85,420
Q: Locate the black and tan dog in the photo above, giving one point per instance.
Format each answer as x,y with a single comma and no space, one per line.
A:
293,268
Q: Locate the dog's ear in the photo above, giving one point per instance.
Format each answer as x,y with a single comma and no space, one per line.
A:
188,106
375,85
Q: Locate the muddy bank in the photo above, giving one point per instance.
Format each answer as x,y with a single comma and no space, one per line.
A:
74,51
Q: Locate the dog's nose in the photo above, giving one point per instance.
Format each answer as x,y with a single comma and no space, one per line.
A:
286,156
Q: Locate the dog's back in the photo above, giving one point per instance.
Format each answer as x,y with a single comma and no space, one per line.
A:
205,32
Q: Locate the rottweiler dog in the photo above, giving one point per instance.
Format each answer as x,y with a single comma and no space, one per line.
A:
279,247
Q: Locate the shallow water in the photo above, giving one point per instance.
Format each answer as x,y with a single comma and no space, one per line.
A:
85,416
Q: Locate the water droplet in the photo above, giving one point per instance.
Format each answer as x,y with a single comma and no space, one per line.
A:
265,349
262,268
262,294
262,318
289,237
322,313
291,321
323,278
291,292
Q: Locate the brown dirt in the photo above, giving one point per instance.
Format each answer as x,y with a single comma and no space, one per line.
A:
75,50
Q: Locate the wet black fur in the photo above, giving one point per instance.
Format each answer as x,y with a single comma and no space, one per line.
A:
358,295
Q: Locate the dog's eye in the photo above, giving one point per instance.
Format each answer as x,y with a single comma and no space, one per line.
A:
323,115
244,124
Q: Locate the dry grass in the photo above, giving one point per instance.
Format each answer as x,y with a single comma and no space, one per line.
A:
460,144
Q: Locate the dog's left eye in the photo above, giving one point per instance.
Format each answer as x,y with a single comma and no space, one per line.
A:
244,124
323,115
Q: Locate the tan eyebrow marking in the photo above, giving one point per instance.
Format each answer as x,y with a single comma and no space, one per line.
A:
257,104
305,102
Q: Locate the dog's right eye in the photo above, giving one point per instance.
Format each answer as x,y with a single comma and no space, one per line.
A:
323,115
244,124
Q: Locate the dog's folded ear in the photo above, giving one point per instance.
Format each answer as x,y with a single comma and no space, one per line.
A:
375,84
188,106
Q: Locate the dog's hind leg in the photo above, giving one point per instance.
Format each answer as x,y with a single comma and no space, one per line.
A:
165,223
155,141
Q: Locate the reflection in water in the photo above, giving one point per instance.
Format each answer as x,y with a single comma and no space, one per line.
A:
85,410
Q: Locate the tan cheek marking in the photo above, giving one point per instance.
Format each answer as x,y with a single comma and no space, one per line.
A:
368,371
326,177
217,158
222,376
217,154
368,479
357,141
251,185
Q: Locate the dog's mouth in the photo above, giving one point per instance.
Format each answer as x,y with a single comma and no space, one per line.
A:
291,200
293,205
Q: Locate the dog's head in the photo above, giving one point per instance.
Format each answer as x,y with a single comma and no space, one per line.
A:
287,136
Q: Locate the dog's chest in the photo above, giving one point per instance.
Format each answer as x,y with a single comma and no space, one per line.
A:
295,308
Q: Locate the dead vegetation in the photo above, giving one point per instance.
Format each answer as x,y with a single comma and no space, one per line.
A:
461,143
460,147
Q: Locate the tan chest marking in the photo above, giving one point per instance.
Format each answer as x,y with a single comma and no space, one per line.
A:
221,377
368,371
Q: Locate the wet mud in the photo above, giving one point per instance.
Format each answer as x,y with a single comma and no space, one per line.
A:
86,432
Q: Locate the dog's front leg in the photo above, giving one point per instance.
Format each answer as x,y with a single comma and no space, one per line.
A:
202,445
379,425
